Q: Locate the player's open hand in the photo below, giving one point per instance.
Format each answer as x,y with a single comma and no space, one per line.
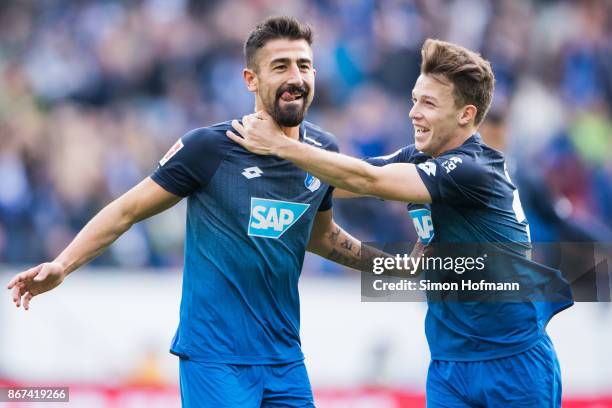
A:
259,134
35,281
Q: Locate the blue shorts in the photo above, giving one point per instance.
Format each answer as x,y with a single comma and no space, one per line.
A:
530,379
246,386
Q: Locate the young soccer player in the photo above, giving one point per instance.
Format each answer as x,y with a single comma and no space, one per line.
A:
484,354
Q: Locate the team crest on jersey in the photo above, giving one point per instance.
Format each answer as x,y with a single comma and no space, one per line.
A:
173,150
311,182
423,224
272,218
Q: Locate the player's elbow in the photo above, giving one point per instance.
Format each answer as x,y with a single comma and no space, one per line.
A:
125,213
318,243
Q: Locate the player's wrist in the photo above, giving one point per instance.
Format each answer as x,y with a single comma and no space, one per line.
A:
286,149
63,266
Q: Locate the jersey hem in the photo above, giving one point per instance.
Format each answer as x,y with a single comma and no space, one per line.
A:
507,353
166,185
240,360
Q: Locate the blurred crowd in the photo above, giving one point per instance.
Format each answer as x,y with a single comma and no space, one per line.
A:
92,94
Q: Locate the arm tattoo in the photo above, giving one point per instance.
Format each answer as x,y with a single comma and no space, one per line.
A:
333,236
343,259
344,249
347,244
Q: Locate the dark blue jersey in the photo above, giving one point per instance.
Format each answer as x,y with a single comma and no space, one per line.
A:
249,220
474,201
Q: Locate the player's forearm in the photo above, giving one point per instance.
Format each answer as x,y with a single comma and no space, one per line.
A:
339,246
336,169
101,231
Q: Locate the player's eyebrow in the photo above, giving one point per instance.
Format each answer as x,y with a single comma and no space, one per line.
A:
288,61
431,98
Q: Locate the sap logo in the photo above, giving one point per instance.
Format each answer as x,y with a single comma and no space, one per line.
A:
271,218
423,224
311,182
451,164
252,172
428,167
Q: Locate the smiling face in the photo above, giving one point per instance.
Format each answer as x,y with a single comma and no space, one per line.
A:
283,80
438,123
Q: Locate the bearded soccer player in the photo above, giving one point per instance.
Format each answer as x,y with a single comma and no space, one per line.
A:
484,354
249,221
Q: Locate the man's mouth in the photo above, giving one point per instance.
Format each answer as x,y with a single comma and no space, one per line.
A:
420,130
292,93
288,96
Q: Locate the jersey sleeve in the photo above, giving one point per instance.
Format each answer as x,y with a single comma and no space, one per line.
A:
190,163
399,156
456,180
326,204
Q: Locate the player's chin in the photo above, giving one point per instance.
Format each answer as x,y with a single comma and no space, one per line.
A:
289,117
420,143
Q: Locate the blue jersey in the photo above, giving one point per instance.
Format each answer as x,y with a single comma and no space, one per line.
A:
474,201
249,220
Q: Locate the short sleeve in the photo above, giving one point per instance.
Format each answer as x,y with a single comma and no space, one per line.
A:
326,204
399,156
190,163
458,180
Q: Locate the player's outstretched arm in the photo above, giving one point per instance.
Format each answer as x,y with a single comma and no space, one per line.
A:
144,200
398,181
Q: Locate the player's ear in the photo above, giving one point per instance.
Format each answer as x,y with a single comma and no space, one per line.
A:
250,79
467,114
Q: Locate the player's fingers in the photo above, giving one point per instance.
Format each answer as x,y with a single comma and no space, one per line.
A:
26,300
238,127
12,282
248,121
235,138
17,293
20,277
41,275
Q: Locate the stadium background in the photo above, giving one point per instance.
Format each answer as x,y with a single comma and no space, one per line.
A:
92,94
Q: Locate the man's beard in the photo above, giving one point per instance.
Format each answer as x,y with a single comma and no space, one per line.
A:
291,114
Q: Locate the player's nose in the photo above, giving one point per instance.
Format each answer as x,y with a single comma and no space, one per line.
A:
414,112
295,76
